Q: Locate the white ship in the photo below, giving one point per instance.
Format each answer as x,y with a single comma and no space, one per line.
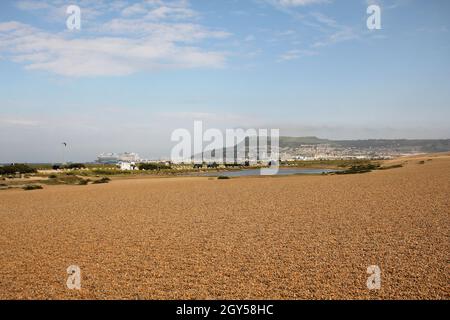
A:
114,158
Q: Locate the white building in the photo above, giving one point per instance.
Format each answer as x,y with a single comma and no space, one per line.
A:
127,166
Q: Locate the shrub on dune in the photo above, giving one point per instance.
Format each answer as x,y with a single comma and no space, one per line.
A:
32,187
102,180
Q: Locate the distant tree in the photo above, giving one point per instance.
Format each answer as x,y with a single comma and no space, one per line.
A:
153,166
213,165
232,165
75,166
13,168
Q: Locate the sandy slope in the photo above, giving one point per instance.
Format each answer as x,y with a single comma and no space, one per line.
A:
283,238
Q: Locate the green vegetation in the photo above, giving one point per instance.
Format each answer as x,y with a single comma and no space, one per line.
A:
68,179
75,166
213,165
327,164
73,180
105,172
32,187
83,182
368,168
41,166
14,168
232,165
102,180
72,166
360,169
395,166
153,166
223,178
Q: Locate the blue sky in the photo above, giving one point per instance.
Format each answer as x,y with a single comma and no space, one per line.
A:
137,70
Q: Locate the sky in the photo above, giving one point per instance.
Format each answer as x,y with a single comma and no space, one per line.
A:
138,70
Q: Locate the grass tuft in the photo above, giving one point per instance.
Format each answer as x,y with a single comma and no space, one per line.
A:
32,187
102,180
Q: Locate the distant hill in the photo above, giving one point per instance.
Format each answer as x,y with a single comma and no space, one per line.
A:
405,145
371,147
294,142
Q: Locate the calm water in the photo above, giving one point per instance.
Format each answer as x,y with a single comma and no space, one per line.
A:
257,172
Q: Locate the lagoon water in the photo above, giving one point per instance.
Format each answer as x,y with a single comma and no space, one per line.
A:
257,172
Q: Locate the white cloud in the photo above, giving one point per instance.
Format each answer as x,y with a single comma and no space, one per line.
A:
55,10
287,4
296,3
389,4
324,20
249,38
327,30
147,41
101,56
345,34
135,9
176,32
159,10
31,5
334,31
295,54
165,12
19,122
